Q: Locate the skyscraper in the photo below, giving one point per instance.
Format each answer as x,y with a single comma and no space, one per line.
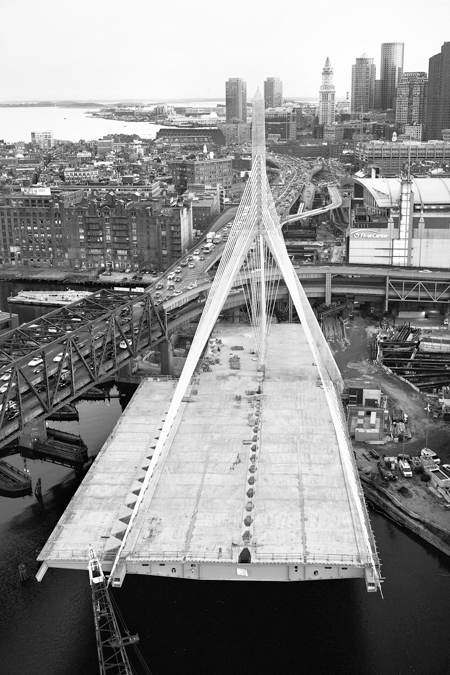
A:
390,71
363,85
236,100
273,92
411,99
327,95
438,99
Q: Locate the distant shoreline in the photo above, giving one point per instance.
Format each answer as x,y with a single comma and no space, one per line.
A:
49,104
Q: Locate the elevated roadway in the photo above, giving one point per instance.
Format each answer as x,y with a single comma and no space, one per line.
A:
83,344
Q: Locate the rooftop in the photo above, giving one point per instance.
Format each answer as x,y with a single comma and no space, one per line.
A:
427,191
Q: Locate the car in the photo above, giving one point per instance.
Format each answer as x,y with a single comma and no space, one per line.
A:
36,361
178,270
171,276
191,286
5,387
158,294
191,265
183,263
197,251
136,331
426,271
177,293
154,273
134,277
6,376
178,279
202,257
123,344
39,369
58,357
98,336
159,286
124,279
191,257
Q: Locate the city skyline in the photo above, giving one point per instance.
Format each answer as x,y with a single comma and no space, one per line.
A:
103,58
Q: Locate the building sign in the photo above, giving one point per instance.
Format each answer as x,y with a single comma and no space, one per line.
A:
369,234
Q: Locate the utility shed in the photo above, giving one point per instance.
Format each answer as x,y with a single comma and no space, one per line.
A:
363,393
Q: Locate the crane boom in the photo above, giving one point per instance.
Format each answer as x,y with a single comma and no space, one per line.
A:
112,657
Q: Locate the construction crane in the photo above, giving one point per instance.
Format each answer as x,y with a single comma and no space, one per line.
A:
112,657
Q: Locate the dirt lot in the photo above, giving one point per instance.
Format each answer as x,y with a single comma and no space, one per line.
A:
353,358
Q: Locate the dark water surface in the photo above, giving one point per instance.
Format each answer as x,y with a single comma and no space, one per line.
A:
211,628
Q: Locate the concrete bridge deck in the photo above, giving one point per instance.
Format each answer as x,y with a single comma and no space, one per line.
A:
251,484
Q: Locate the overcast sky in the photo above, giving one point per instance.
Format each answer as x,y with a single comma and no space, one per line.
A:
156,50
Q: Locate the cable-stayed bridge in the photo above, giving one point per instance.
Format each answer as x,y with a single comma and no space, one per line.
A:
243,469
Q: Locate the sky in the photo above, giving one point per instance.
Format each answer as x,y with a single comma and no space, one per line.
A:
156,51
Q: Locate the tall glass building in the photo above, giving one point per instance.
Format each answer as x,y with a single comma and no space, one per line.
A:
363,84
236,100
273,92
392,54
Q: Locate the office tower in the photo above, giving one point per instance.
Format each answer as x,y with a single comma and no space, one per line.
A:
411,99
390,71
273,92
377,95
236,100
363,85
326,95
438,99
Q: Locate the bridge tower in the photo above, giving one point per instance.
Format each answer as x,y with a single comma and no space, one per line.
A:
255,257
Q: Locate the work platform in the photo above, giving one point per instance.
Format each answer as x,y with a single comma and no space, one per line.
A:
252,483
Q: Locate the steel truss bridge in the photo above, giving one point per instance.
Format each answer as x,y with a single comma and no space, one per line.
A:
47,363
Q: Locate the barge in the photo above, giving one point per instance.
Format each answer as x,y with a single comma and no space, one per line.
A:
51,298
13,482
410,502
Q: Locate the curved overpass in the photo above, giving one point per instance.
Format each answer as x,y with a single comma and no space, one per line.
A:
336,202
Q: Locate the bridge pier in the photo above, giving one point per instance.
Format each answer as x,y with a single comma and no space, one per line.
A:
166,350
328,288
34,431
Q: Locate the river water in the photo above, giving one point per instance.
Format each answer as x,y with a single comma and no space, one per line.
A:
205,628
